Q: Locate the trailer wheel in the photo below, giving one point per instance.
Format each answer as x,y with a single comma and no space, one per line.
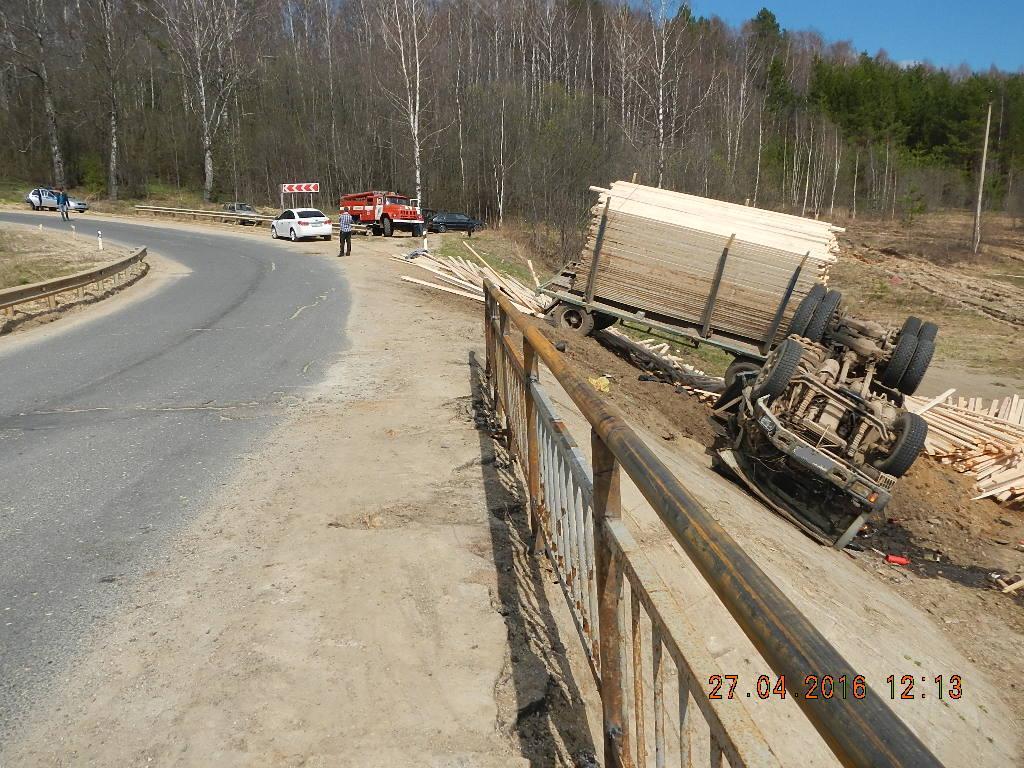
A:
740,365
805,310
918,366
912,430
387,227
823,315
575,319
928,331
778,369
906,345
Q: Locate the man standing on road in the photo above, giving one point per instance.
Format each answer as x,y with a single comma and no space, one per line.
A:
345,233
62,204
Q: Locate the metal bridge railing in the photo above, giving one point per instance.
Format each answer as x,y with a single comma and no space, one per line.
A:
649,662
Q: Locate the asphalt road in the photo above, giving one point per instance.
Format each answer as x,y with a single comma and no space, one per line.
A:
116,429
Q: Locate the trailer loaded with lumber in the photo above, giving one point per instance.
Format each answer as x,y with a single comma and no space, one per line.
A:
812,419
713,272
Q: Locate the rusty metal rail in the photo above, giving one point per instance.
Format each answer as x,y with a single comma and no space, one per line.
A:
649,661
115,272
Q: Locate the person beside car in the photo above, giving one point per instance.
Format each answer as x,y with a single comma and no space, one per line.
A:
62,204
345,233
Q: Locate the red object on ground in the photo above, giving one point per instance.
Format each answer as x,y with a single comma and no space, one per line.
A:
897,559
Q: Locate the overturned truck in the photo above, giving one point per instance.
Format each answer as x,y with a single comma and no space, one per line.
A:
812,418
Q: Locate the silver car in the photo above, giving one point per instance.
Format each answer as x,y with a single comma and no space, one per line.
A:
44,197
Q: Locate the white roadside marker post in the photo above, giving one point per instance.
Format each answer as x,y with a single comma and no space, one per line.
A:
74,233
99,239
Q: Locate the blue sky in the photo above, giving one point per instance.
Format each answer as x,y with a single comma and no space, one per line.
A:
945,32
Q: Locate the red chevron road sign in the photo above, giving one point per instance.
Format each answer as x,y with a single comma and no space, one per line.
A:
307,186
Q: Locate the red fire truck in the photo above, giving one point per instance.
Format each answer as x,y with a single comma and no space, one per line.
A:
384,212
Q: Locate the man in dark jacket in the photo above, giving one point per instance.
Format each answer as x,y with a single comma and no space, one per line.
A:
62,204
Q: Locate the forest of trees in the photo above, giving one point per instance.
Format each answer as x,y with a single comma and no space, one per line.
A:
503,109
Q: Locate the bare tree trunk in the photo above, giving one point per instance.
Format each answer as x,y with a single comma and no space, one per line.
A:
856,168
112,165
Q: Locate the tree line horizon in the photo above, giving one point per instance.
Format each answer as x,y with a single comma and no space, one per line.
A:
502,109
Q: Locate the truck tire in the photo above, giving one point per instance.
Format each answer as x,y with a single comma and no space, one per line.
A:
737,366
573,318
928,331
911,326
918,366
778,369
912,430
822,316
387,227
906,345
805,310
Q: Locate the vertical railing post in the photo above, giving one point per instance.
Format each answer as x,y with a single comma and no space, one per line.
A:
608,506
532,447
505,367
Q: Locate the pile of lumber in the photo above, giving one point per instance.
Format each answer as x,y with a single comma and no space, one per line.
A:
983,439
463,277
655,355
659,250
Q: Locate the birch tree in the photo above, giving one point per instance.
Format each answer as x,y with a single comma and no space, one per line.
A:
25,34
205,36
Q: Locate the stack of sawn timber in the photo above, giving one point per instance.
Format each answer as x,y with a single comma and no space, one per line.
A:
463,277
983,439
660,250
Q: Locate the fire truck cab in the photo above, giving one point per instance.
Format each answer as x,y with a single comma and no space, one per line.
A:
384,212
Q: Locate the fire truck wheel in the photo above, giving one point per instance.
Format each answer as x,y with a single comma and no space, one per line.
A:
906,344
573,318
805,310
387,227
918,366
911,431
778,369
823,315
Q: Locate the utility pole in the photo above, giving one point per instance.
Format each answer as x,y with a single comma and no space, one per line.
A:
981,183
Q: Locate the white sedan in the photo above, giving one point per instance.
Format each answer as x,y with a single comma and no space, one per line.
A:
298,223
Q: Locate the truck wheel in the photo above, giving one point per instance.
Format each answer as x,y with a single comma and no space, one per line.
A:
778,369
911,326
822,316
906,345
805,310
740,365
573,318
387,227
912,430
918,366
928,331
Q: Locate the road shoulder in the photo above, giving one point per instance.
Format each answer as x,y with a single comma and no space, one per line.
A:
359,595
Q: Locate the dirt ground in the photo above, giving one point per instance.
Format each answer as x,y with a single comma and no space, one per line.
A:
29,256
360,594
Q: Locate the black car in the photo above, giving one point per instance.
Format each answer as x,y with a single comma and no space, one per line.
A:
442,222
